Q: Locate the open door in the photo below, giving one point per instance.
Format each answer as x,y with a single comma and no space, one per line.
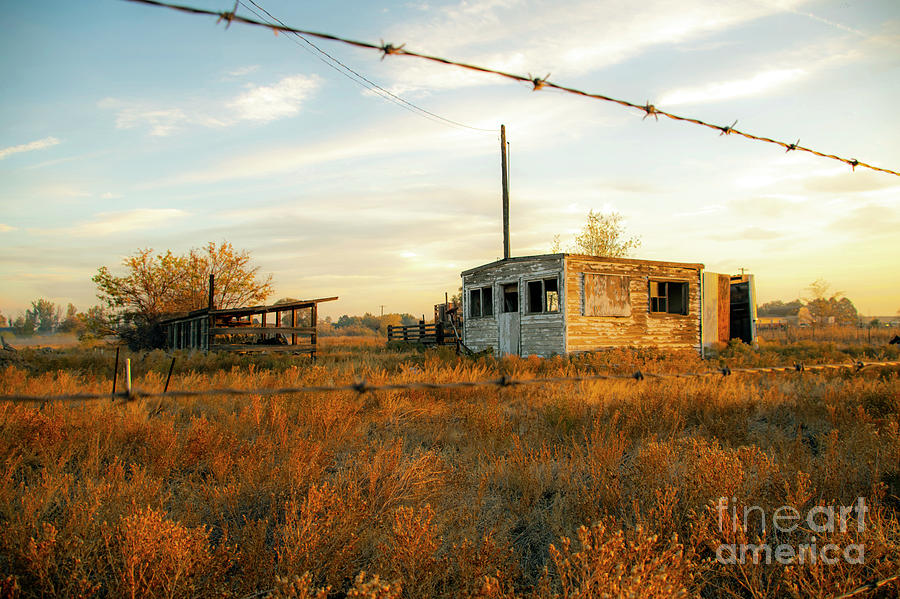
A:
743,309
508,320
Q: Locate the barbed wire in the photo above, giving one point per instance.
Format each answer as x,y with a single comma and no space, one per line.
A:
362,80
537,83
363,386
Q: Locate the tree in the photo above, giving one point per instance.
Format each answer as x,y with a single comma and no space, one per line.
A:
780,308
158,284
71,323
826,308
602,235
45,316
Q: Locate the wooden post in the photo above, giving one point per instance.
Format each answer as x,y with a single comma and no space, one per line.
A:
505,179
439,333
422,329
115,372
169,377
128,376
389,331
212,286
313,321
293,325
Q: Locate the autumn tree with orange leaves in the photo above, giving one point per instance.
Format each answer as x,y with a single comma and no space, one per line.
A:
158,284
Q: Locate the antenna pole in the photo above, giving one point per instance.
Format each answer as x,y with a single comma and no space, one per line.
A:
505,178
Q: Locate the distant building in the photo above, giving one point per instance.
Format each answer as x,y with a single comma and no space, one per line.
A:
561,303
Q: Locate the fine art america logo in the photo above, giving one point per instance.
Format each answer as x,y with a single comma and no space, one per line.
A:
785,520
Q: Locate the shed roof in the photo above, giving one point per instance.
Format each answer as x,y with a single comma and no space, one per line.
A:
250,310
538,257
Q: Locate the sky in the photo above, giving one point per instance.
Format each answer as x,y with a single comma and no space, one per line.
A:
125,126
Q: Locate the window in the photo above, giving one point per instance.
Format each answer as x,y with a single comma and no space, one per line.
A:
511,297
606,295
668,297
481,302
543,296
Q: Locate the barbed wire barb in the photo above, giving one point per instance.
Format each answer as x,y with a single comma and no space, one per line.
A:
392,50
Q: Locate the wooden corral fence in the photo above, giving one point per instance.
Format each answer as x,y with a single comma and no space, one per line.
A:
247,329
435,333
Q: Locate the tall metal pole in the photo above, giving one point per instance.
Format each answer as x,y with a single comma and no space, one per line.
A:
505,192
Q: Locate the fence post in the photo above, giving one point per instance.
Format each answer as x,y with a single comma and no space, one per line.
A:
390,330
168,378
128,376
439,333
422,330
115,372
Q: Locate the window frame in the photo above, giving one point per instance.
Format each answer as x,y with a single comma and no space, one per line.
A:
543,295
668,294
485,309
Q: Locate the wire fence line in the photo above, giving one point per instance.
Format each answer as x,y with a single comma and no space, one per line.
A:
362,80
362,386
537,83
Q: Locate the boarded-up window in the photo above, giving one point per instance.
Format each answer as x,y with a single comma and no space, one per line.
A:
606,295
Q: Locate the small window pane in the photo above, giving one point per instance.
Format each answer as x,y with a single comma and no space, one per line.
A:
511,298
551,295
475,303
677,296
534,297
487,301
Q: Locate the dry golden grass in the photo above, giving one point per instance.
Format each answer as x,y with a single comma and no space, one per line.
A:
571,490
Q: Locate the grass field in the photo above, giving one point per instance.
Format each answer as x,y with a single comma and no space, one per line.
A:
566,490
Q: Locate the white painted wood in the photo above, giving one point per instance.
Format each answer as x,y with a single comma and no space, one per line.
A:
508,333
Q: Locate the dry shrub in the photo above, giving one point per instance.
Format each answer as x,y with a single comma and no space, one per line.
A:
322,535
615,564
152,556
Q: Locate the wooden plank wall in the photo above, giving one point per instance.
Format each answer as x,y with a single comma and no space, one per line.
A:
640,328
540,334
724,309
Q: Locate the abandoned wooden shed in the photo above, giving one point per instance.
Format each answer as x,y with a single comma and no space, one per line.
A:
248,329
561,303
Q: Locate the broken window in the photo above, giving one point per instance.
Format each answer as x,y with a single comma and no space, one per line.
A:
606,295
481,302
669,297
511,297
543,296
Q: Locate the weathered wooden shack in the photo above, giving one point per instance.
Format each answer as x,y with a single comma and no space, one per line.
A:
560,303
248,329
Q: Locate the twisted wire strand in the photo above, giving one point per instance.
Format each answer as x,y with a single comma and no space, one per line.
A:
537,83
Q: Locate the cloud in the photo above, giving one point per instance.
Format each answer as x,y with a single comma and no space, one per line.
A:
846,182
869,220
748,234
108,223
258,103
6,228
738,88
40,144
267,103
490,33
242,71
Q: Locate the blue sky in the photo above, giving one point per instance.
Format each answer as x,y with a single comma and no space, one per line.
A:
125,126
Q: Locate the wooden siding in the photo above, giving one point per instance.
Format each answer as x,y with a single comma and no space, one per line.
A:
640,328
606,295
540,334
